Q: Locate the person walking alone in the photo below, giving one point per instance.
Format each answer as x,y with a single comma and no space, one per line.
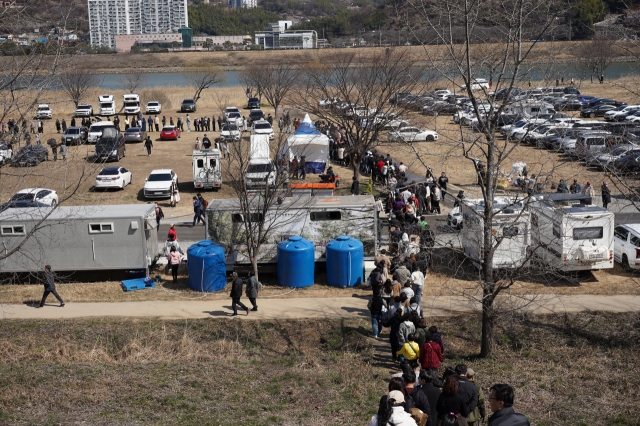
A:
197,210
159,215
236,294
148,144
606,194
49,287
252,290
175,260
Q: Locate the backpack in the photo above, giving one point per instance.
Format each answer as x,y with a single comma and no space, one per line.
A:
206,203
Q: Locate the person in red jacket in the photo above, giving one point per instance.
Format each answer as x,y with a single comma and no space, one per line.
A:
430,354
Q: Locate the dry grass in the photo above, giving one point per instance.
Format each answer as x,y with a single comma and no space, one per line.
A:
570,370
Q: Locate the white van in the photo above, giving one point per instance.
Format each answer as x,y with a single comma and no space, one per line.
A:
131,103
95,131
261,171
207,172
107,104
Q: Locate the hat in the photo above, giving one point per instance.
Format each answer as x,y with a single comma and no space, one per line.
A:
470,372
397,396
588,183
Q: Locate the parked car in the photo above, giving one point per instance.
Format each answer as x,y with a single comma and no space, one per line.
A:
626,165
603,101
113,177
188,105
440,107
153,107
22,205
262,127
30,155
84,111
43,111
412,134
605,159
45,196
110,148
135,134
255,115
597,111
75,135
626,246
568,105
253,103
230,132
170,133
620,113
228,110
476,84
235,117
159,182
5,153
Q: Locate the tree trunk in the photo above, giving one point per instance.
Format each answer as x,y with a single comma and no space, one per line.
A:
254,265
488,322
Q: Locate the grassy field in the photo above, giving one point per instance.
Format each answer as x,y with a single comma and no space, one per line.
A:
566,370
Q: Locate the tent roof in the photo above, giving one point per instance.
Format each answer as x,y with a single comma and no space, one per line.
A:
307,127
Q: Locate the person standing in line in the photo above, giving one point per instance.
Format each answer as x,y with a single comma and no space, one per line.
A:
148,144
197,210
588,190
252,290
213,123
64,125
188,123
175,260
126,122
57,126
219,123
143,124
150,122
156,121
116,122
479,414
236,294
159,215
49,287
606,194
164,121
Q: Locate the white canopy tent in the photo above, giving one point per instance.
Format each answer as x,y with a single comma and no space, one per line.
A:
307,141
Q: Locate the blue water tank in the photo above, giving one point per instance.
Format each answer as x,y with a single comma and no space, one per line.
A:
296,262
345,262
207,267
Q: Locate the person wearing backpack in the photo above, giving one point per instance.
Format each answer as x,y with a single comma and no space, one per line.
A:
252,290
197,210
203,203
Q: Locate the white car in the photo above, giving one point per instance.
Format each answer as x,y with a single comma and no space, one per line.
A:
113,177
326,103
5,153
43,111
262,127
626,246
159,183
228,110
84,111
477,84
230,132
235,117
40,195
153,107
412,134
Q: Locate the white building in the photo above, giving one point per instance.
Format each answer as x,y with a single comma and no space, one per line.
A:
108,18
278,36
247,4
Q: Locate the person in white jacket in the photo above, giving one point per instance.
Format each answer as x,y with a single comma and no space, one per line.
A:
394,413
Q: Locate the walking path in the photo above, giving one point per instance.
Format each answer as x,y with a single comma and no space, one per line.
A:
340,307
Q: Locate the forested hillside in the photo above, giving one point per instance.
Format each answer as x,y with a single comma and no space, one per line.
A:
219,20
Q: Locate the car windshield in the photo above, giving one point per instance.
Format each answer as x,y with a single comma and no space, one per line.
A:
256,113
153,104
22,197
168,129
84,106
133,130
43,108
131,104
259,168
229,127
234,115
188,101
108,172
98,129
72,132
262,126
159,177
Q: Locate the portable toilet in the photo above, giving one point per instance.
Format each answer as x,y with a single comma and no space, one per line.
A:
345,262
296,262
207,267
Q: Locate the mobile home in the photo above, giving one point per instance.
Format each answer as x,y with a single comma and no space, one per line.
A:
529,108
317,219
568,233
107,104
131,103
207,171
510,229
80,238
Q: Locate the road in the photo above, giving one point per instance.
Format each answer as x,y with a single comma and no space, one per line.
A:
297,308
184,229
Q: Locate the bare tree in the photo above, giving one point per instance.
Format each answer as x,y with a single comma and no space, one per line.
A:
132,81
203,80
271,80
596,56
76,83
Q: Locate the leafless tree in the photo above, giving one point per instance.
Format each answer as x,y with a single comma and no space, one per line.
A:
271,80
596,56
76,83
132,81
202,80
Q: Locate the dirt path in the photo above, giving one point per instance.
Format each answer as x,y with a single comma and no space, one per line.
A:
340,307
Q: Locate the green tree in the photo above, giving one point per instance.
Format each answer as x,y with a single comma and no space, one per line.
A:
586,13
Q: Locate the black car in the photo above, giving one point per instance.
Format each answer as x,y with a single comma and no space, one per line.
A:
17,204
568,105
74,135
597,111
255,115
188,105
603,101
626,165
440,107
31,155
111,147
254,103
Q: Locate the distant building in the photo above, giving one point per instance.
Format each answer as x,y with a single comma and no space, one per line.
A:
247,4
177,41
110,18
278,36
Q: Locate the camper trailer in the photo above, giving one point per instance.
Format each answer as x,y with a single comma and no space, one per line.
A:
261,171
568,233
107,104
80,238
206,169
530,108
131,103
512,235
317,219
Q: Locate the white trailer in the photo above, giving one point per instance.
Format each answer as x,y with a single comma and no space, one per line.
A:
530,108
79,238
568,233
131,103
317,219
207,173
107,104
261,172
510,230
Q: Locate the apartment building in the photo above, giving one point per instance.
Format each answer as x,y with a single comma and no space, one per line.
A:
109,18
247,4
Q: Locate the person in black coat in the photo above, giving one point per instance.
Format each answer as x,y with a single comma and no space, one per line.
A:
394,324
427,386
450,400
420,399
501,404
49,287
236,294
606,195
467,390
355,186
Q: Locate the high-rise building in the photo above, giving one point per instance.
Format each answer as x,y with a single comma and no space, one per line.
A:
108,18
247,4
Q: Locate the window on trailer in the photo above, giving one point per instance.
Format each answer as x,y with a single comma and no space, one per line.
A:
588,233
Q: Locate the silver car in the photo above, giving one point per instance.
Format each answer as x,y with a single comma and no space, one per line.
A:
134,134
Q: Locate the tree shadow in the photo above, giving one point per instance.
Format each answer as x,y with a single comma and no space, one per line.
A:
220,314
